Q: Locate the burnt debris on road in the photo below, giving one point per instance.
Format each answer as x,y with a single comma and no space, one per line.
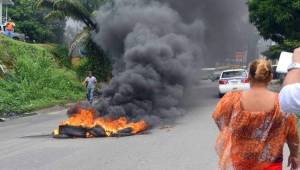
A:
83,123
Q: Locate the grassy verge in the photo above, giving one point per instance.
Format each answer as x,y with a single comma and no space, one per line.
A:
34,80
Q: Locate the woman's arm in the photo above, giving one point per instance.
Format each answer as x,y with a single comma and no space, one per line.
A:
293,142
292,135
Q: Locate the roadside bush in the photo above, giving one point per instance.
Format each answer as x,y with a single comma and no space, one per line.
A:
62,55
96,61
36,80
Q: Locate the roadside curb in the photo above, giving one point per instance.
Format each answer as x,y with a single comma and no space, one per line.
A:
54,110
49,110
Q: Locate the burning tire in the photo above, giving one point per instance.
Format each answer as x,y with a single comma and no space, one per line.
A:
97,132
84,124
66,131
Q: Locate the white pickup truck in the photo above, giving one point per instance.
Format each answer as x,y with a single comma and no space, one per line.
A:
16,36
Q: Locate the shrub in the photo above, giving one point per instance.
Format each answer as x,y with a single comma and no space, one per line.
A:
36,80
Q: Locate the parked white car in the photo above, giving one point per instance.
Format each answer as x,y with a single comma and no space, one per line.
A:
233,80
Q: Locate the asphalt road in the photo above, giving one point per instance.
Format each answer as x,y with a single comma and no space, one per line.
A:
188,144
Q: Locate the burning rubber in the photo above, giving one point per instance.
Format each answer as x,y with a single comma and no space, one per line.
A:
83,123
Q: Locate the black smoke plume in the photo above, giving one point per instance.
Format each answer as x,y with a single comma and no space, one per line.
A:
227,27
157,48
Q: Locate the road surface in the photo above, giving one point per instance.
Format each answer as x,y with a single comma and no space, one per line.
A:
186,145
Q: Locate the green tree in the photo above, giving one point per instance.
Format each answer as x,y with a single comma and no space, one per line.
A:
31,22
286,45
96,61
81,10
68,8
92,5
277,20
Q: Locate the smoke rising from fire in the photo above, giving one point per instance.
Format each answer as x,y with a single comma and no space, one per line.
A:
157,49
228,28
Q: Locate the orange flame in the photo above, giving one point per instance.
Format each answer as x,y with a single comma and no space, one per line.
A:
85,118
113,126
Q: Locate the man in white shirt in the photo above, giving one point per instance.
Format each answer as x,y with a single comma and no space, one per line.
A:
90,83
290,94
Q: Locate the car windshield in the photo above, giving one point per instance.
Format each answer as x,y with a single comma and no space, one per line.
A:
230,74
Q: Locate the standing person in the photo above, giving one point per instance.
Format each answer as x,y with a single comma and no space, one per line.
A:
290,93
9,28
90,83
253,130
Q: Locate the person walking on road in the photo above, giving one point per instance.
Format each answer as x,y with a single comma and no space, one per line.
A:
253,129
9,28
90,83
290,93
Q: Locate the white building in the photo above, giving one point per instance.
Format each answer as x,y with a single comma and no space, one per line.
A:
4,3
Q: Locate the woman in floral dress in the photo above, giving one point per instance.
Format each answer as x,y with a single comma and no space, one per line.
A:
253,130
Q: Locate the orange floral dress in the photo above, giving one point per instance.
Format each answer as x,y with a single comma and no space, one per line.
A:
251,140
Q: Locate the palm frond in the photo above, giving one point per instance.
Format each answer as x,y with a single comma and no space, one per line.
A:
80,38
70,8
55,15
44,4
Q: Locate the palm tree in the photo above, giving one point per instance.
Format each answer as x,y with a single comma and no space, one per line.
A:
81,10
76,9
68,8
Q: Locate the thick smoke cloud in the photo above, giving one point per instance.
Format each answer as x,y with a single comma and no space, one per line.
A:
158,47
228,29
155,55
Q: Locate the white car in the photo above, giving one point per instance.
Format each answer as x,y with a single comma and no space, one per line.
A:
233,80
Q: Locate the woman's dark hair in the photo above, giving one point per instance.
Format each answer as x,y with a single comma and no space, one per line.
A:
261,71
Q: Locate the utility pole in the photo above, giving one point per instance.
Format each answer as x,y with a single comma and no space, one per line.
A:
1,20
6,18
6,3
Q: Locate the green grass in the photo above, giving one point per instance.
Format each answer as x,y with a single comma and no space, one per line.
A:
35,80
